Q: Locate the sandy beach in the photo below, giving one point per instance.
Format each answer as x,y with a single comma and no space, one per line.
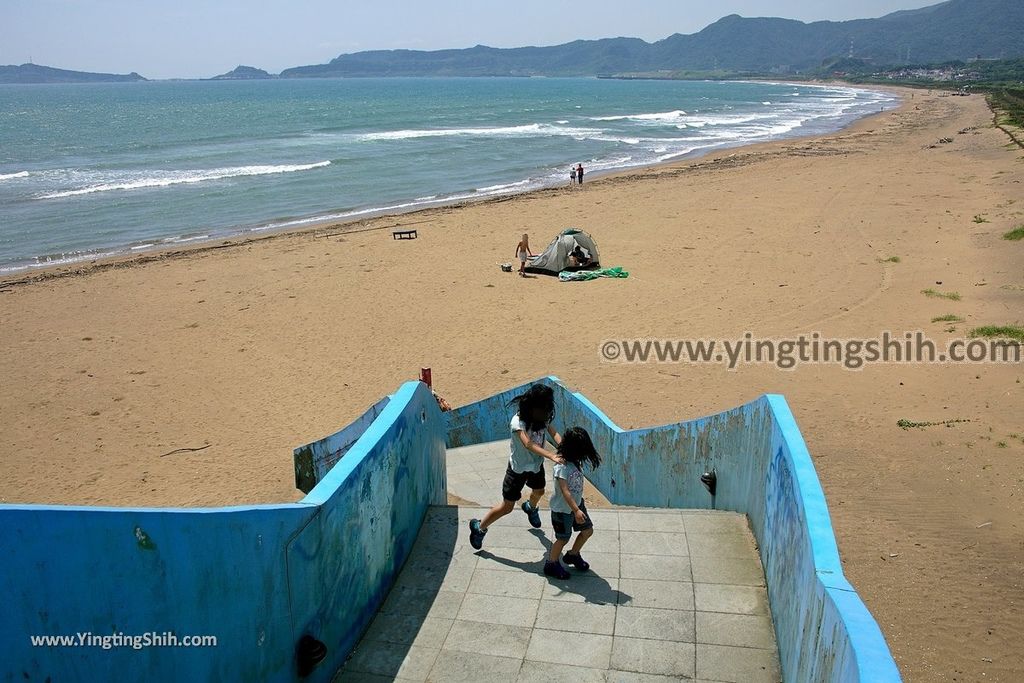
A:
255,347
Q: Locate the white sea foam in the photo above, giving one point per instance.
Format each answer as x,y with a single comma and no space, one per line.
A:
12,176
527,130
72,257
655,116
610,164
722,120
617,138
154,179
180,240
62,259
506,187
677,153
785,126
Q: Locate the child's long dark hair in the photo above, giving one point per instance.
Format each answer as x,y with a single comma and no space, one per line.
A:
577,448
537,400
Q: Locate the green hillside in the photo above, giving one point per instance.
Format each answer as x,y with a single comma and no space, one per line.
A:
953,30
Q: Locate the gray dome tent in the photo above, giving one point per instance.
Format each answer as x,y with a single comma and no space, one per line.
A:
555,258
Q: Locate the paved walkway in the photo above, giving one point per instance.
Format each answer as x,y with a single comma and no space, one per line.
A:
671,595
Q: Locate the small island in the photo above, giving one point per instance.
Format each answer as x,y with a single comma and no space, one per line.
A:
243,73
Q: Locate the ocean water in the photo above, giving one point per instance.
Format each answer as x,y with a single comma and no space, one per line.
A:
102,169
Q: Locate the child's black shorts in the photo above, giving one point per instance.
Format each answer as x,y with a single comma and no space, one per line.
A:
564,523
512,486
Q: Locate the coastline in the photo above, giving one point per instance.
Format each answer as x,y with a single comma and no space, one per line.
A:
278,341
188,246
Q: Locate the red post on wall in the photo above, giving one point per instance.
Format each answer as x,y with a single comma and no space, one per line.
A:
425,377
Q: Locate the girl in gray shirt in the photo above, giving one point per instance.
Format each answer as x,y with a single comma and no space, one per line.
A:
568,511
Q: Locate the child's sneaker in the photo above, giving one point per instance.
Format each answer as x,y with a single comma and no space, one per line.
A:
577,561
476,534
533,513
556,570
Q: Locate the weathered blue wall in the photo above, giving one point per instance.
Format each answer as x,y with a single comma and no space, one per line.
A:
221,572
372,506
314,460
260,577
257,577
823,629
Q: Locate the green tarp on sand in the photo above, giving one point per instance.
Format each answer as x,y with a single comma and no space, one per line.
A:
579,275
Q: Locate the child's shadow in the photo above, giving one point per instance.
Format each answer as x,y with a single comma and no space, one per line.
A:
592,587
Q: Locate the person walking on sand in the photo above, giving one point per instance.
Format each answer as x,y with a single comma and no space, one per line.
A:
579,173
568,511
529,426
522,253
572,176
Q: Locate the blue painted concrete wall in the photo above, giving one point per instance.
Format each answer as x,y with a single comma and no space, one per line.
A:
314,460
67,570
823,629
260,577
372,504
257,577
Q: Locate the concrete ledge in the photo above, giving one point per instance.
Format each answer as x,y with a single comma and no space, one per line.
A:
257,578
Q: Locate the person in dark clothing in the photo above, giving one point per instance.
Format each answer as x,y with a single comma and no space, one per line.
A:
579,173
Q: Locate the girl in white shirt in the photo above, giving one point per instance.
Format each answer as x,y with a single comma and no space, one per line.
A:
529,428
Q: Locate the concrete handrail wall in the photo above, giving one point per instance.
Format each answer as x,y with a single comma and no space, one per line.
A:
256,577
260,577
823,629
314,460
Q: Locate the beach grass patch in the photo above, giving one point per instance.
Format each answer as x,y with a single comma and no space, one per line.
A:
891,259
936,294
948,318
998,332
1016,234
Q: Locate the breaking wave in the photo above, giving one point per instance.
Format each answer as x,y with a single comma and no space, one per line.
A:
154,179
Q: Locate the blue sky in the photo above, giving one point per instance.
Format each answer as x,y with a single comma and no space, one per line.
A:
199,38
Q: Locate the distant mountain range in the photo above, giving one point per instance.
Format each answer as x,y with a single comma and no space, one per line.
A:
34,73
951,30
